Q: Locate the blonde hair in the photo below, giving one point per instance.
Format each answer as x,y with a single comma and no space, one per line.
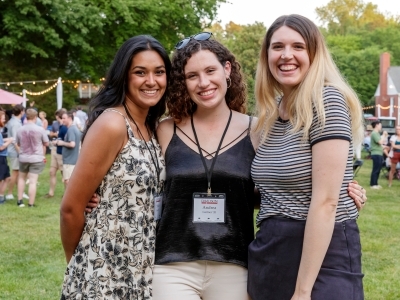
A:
308,94
31,114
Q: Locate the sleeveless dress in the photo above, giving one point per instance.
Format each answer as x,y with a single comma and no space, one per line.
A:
115,255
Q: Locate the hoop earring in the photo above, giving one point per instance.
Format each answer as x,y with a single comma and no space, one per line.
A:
229,82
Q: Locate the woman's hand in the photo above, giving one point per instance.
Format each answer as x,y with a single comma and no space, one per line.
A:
358,193
93,203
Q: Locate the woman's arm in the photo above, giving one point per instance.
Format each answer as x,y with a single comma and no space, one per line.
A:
394,146
7,141
103,142
329,159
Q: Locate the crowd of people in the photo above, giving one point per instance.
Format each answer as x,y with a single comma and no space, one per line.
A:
24,141
166,211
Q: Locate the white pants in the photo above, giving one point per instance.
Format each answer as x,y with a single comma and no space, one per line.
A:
201,279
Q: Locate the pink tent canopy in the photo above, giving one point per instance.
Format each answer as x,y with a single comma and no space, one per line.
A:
9,98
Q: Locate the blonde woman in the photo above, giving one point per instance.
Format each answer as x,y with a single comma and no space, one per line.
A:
308,245
45,123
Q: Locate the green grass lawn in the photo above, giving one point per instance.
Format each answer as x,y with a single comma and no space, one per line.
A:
32,261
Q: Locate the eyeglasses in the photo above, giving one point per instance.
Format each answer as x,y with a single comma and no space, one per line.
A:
202,36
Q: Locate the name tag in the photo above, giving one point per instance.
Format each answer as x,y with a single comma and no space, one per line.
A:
209,208
157,207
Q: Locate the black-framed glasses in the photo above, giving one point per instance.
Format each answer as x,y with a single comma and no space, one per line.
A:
202,36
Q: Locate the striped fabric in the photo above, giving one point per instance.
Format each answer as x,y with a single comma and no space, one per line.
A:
281,169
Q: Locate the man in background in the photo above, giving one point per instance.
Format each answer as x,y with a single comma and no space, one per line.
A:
71,146
32,141
58,131
13,125
376,154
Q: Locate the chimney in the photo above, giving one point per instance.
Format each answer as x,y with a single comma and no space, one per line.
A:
383,75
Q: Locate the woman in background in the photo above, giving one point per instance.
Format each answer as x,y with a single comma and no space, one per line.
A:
45,123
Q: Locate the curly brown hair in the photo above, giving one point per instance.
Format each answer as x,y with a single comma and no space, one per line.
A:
178,101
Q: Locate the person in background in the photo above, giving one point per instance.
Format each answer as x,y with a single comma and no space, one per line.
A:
395,155
32,141
71,146
57,131
82,116
77,121
4,169
376,148
308,246
45,123
13,125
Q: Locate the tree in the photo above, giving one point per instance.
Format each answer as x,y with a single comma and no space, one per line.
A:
342,16
245,43
77,39
360,67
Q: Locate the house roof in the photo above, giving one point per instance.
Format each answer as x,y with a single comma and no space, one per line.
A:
393,82
394,73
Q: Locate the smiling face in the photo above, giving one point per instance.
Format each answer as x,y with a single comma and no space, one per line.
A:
206,79
147,79
288,58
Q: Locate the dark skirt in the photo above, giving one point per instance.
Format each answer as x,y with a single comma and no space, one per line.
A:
274,259
4,169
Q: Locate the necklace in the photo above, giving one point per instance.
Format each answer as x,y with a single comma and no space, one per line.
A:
214,159
154,159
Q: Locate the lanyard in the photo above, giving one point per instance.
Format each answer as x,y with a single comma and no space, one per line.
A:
154,160
209,172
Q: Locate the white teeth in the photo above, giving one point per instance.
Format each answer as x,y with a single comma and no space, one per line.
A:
207,93
287,67
149,92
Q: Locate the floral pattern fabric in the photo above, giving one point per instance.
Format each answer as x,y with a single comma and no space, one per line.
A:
115,255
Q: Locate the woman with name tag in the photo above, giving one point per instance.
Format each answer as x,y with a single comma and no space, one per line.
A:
206,222
110,252
308,245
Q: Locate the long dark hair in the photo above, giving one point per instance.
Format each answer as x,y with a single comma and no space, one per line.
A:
112,92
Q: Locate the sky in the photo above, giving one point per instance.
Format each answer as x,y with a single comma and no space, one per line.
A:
246,12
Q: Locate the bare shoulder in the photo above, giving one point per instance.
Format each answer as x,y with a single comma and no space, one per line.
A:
108,124
254,135
165,131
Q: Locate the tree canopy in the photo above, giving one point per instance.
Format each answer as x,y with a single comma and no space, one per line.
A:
77,39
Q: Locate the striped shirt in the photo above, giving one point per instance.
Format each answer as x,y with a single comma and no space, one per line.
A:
281,169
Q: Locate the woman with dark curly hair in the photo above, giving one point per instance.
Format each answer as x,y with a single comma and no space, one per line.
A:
207,219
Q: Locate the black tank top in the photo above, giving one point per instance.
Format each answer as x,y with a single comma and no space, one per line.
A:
178,238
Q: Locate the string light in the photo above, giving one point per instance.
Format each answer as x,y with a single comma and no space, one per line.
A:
380,106
28,81
42,92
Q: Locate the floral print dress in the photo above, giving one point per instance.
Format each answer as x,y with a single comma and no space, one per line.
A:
115,255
